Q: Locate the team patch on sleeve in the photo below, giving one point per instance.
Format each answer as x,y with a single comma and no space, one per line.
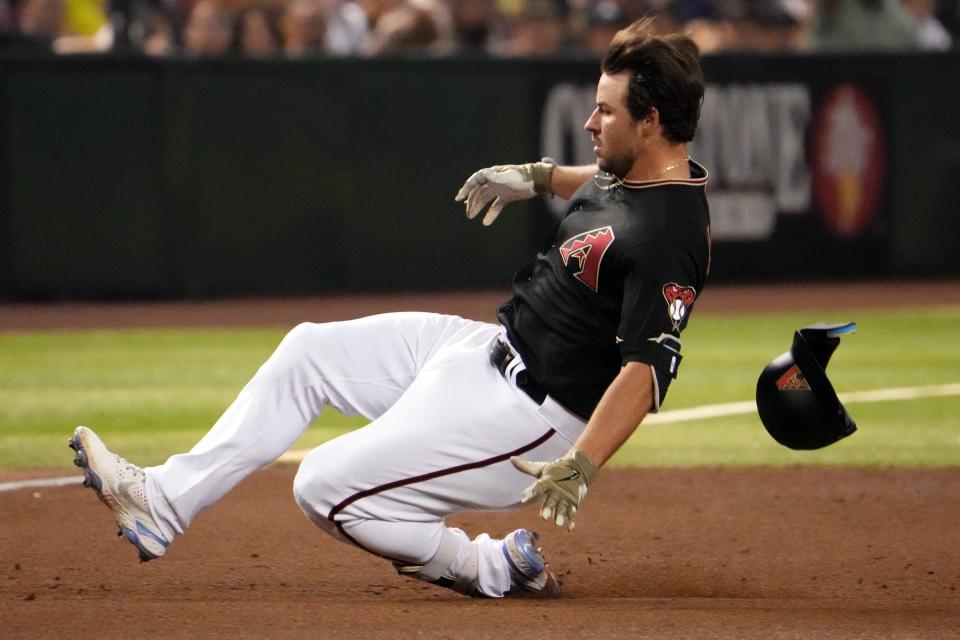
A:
679,299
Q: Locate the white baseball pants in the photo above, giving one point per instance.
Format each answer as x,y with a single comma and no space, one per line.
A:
444,425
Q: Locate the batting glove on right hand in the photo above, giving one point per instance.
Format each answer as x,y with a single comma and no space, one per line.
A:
562,483
503,184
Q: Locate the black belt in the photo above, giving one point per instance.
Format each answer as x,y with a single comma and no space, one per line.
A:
501,355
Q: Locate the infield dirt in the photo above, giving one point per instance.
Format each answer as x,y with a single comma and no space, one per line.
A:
708,553
668,553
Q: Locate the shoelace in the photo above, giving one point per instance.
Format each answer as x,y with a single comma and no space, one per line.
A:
137,471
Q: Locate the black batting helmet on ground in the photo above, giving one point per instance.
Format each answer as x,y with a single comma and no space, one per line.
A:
795,400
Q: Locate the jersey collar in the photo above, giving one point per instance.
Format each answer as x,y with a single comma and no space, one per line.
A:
698,178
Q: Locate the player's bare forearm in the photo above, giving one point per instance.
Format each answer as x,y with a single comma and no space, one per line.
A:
626,402
563,482
567,179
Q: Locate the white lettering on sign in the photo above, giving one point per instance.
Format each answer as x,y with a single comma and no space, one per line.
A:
750,137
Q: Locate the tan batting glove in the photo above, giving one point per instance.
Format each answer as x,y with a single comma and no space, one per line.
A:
503,184
562,483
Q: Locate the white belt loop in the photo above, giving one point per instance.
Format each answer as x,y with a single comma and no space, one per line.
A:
516,365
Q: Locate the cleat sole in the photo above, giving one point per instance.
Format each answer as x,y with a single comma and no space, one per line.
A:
79,456
134,539
90,479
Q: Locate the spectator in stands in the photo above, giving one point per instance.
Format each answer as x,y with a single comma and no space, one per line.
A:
87,28
591,21
716,35
258,32
684,11
87,17
931,34
304,29
347,28
40,24
770,26
209,30
158,37
862,25
604,18
538,30
477,26
710,28
409,26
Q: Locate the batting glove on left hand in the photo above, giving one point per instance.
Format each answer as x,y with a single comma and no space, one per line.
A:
503,184
562,483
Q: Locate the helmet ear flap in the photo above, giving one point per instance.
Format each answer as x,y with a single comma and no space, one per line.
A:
795,400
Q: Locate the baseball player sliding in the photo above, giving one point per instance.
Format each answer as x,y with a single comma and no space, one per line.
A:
468,415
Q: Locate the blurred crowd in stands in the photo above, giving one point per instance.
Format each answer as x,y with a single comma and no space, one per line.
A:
501,28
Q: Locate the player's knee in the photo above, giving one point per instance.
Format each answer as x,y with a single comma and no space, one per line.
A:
316,487
293,352
299,339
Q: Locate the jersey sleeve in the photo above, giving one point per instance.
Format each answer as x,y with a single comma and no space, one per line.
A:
658,296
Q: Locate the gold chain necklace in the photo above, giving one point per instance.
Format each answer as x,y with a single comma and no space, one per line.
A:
613,183
673,166
616,181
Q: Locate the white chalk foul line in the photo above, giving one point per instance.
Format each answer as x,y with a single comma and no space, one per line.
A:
740,408
664,417
707,411
901,393
42,482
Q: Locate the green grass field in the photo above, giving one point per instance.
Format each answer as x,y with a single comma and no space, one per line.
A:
154,393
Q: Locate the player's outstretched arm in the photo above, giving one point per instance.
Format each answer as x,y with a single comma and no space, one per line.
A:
502,184
563,483
567,179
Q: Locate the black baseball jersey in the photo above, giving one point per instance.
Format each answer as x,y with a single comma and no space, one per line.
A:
616,284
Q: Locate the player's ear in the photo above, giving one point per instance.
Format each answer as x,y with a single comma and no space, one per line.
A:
649,123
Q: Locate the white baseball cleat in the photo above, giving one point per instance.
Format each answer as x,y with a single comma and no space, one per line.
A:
121,486
528,570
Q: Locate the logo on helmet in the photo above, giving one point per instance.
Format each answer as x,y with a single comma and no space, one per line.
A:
793,380
678,300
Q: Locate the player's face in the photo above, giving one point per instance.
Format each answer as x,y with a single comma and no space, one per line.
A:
615,134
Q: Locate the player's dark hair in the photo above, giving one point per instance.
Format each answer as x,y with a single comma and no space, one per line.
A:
665,73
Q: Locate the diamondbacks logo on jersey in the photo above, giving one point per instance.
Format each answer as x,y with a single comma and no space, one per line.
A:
588,250
793,380
678,300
